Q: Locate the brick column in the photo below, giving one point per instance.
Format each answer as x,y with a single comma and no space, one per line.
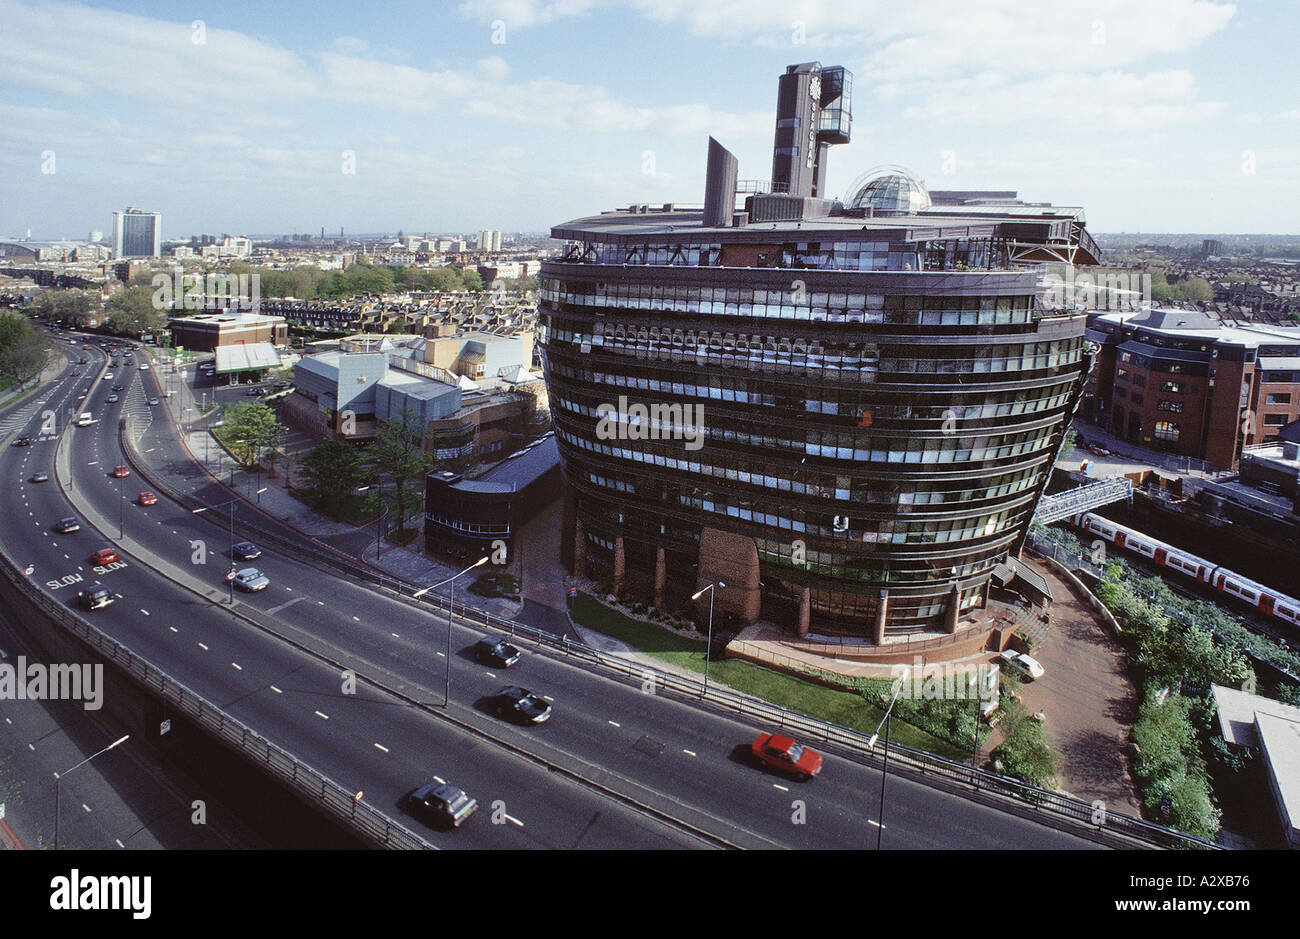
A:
579,549
620,566
661,577
954,607
881,610
805,610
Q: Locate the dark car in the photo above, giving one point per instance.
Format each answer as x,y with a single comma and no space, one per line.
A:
246,551
66,525
23,441
117,387
519,704
84,361
254,391
442,804
93,598
40,477
496,652
281,385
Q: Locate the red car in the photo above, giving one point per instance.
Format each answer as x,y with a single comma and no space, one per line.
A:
76,372
783,754
148,498
121,470
85,347
103,556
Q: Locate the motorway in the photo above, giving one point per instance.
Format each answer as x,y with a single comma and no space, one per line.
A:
684,761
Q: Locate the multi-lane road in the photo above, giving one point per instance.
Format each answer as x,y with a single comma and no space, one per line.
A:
267,661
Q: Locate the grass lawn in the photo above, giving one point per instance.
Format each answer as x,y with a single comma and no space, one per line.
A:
829,704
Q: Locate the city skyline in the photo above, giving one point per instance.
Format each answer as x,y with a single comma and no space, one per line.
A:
487,115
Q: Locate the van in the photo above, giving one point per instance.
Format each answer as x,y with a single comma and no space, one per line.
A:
85,418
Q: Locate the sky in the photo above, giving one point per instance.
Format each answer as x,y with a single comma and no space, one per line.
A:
243,117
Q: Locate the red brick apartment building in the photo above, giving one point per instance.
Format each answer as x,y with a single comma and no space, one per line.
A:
1186,382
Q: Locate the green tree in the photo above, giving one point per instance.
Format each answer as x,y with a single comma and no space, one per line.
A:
23,350
399,451
249,429
131,312
333,470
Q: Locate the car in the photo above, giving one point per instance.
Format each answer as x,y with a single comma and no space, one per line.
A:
148,498
251,579
153,402
23,441
86,347
1028,666
84,361
281,385
108,376
253,391
520,704
111,399
1100,451
781,753
496,652
67,525
117,387
121,471
76,372
40,478
103,556
246,551
144,366
442,803
93,598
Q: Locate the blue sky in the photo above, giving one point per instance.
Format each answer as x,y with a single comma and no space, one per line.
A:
1160,115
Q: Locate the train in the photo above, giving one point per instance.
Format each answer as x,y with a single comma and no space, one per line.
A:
1268,601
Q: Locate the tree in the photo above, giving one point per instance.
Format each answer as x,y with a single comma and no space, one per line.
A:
132,312
398,450
250,428
333,470
23,350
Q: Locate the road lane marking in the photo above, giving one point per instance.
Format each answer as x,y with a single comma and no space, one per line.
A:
144,611
203,647
322,716
395,636
689,752
173,629
779,786
440,655
276,690
877,824
237,666
511,818
119,842
439,780
287,603
381,747
86,807
614,723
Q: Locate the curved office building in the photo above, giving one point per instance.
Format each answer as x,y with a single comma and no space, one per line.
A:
847,416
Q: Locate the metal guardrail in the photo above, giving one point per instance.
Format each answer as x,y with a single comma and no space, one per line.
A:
919,761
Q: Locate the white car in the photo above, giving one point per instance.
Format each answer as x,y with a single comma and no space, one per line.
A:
251,579
108,376
144,367
1028,666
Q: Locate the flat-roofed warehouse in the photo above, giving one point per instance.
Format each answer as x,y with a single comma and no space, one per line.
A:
206,332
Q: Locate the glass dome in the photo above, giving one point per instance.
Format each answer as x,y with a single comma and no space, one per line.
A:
891,194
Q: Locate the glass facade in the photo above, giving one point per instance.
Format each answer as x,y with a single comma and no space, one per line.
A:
885,439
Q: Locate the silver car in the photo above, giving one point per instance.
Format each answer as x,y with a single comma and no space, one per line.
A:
252,580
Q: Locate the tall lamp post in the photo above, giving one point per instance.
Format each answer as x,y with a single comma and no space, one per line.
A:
451,604
884,771
58,779
708,648
230,578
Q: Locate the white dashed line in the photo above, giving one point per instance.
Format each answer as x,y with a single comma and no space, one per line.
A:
322,716
511,818
614,723
86,807
173,629
276,690
877,824
440,655
118,841
395,636
237,666
379,746
439,780
781,787
689,752
144,611
203,647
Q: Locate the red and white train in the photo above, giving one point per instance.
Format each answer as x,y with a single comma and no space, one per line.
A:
1267,600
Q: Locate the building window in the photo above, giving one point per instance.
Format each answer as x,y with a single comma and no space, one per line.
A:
1279,397
1274,420
1166,431
1172,387
1174,407
1138,397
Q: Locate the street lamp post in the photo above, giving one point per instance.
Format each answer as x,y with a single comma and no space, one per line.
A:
451,605
121,508
59,779
230,579
887,720
708,648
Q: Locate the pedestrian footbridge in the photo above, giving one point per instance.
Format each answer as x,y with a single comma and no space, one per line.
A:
1061,505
